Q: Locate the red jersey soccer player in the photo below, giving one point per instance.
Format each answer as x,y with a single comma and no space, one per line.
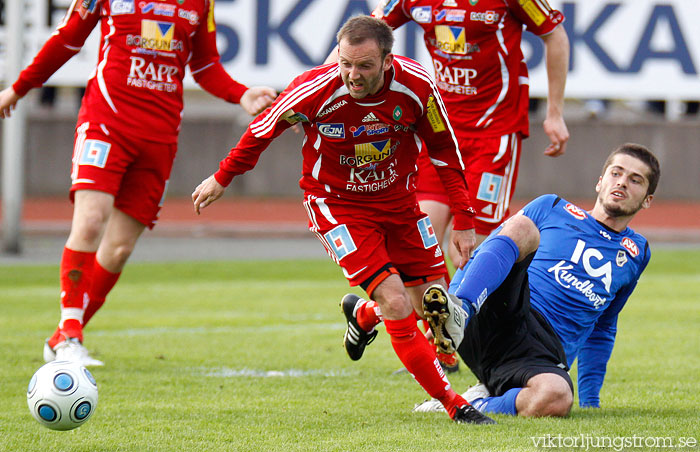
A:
126,136
481,74
364,119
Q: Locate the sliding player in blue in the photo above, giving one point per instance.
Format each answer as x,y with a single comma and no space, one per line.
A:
546,289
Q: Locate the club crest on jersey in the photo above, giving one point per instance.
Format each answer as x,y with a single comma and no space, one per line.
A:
575,211
427,233
422,14
451,39
340,241
331,130
621,258
369,153
118,7
397,113
630,246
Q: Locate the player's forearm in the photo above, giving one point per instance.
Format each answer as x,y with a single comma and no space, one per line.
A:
58,49
557,64
456,187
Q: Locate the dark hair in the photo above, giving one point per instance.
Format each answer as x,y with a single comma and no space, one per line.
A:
643,154
360,28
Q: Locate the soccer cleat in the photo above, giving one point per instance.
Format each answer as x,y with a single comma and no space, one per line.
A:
467,414
446,319
355,339
477,392
49,353
449,363
429,406
72,350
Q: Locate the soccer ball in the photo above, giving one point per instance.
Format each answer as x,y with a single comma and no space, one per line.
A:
62,395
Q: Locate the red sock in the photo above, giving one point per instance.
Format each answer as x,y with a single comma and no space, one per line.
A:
369,315
101,285
417,355
76,271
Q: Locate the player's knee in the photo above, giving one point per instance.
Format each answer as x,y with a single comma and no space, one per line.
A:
88,227
549,402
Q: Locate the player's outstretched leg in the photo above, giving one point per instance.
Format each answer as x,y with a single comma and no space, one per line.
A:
356,338
447,319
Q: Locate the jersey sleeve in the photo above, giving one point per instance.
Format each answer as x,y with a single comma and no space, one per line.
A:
392,12
596,351
66,41
435,130
539,209
278,117
537,15
205,64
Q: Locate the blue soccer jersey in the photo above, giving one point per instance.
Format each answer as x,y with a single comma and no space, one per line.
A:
580,278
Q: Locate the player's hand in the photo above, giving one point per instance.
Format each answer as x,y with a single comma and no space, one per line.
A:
558,134
8,100
257,99
465,242
206,193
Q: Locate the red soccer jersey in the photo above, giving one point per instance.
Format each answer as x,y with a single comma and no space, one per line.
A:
136,87
475,47
361,150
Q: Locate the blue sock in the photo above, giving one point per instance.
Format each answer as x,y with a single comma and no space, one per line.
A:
487,271
504,404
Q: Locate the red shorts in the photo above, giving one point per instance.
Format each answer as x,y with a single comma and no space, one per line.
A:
370,242
135,171
491,170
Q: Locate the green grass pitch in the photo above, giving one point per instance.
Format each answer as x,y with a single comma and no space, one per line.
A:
247,356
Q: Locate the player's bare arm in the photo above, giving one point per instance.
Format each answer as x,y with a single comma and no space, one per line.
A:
556,46
8,100
465,242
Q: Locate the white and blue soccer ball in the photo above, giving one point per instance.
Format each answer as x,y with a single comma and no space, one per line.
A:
62,395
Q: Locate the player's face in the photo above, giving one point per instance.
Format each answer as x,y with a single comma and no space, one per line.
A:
622,189
362,67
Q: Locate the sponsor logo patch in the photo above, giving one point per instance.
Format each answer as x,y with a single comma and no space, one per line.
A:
332,108
340,241
118,7
370,129
427,233
94,153
533,11
451,39
368,153
422,14
630,246
434,116
575,211
332,130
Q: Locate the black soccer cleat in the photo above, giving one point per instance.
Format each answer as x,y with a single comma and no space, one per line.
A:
355,339
467,414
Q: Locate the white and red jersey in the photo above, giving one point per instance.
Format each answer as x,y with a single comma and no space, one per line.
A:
475,48
361,150
144,48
